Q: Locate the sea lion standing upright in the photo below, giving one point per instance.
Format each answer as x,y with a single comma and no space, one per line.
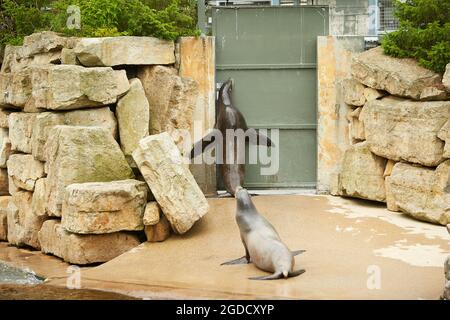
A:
229,117
262,243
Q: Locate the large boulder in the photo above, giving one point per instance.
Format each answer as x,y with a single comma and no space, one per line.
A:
15,89
406,130
115,51
444,135
24,171
400,77
84,249
21,130
362,174
171,182
104,207
133,116
23,224
45,121
172,101
66,87
4,203
77,154
422,193
44,42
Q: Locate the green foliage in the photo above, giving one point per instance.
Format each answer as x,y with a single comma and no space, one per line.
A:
165,19
424,33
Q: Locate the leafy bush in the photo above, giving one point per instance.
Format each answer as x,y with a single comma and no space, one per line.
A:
424,33
99,18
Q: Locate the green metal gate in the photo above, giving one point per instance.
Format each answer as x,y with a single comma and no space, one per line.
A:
270,52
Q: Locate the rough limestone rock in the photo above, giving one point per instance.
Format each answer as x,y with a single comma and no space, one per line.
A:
77,154
171,182
5,147
133,115
104,207
446,78
115,51
152,213
23,224
362,174
407,130
373,94
356,125
172,100
400,77
353,92
422,193
24,171
4,114
444,135
39,201
45,121
46,41
66,87
4,183
20,131
84,249
4,203
158,232
15,89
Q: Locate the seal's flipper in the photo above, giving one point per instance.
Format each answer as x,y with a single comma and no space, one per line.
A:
297,252
296,273
274,276
241,260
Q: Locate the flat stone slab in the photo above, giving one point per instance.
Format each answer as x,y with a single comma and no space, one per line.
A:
68,87
104,207
400,129
400,77
24,171
170,181
115,51
45,121
78,154
84,249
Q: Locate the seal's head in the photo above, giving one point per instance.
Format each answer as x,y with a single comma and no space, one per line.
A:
244,200
225,91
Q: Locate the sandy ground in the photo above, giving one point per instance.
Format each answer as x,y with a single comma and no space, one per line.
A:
355,250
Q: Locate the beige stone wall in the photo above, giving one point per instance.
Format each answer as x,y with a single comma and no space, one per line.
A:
383,131
197,61
334,56
85,146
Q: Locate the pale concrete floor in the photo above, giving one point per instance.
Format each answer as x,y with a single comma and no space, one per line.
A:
349,244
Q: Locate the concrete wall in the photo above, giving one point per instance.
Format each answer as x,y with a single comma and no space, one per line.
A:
348,17
334,56
197,60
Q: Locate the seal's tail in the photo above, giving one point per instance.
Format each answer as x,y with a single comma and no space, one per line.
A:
279,275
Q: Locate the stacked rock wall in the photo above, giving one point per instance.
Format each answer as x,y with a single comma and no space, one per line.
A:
75,132
399,122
